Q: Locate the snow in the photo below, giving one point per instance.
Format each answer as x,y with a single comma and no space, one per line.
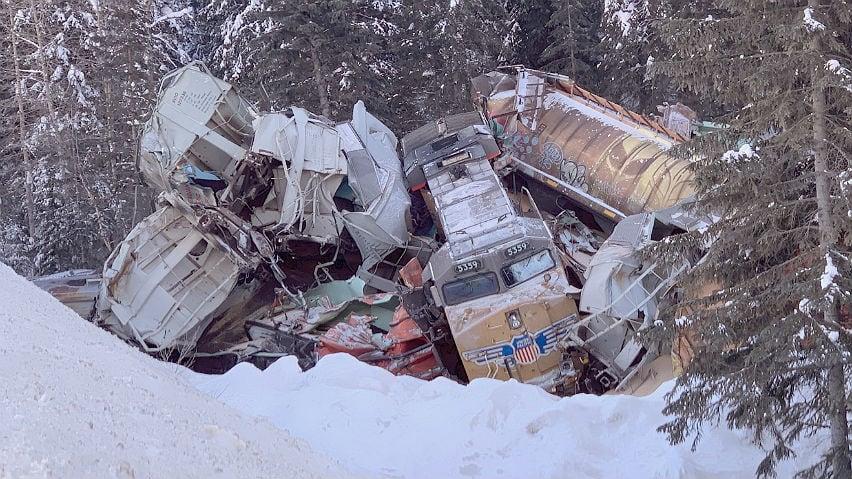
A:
385,426
621,12
828,275
827,280
172,15
833,336
75,401
812,24
844,73
805,306
745,151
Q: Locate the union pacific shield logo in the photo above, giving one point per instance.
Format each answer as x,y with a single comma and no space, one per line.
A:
526,351
525,348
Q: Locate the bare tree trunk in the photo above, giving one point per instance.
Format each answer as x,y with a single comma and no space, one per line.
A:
45,72
22,130
322,84
573,46
841,465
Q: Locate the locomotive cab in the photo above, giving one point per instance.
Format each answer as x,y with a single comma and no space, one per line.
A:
498,278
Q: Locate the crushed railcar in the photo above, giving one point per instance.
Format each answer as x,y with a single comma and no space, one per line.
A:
287,233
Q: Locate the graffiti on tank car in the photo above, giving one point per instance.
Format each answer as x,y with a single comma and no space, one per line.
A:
551,155
572,172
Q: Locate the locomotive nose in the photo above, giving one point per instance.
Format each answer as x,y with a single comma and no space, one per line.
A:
516,341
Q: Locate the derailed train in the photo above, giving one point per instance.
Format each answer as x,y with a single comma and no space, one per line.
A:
289,234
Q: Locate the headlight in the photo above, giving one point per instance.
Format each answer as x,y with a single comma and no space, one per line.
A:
514,319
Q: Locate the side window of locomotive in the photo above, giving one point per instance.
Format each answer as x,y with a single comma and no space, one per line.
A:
469,288
527,268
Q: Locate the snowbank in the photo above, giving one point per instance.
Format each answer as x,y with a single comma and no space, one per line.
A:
386,426
77,402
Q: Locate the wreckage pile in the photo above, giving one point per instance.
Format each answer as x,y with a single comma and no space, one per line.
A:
287,233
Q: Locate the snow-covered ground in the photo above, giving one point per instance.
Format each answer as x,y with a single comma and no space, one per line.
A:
387,426
76,402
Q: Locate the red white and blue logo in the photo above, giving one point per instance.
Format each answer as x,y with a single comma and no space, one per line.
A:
526,351
525,348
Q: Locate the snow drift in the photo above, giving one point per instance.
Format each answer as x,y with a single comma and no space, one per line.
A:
76,401
401,427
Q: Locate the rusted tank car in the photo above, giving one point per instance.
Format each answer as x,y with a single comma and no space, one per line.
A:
603,157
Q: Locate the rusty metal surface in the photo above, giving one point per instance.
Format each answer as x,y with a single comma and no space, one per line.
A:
588,143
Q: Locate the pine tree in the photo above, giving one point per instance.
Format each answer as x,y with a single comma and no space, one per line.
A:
624,51
445,45
221,24
629,44
135,44
531,38
318,54
15,122
573,39
53,118
774,338
79,76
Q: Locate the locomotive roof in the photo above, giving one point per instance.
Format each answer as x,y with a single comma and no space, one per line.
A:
473,206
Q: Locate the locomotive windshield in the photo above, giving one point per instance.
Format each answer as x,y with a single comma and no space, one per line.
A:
469,288
527,268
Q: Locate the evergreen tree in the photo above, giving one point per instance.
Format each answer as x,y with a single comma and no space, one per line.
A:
574,39
630,43
221,23
14,248
79,77
445,45
774,338
318,54
532,34
136,43
53,118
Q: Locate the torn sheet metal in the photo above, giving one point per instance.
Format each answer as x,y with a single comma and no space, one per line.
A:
375,175
403,350
199,121
337,317
611,285
333,301
622,295
167,281
311,169
577,241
